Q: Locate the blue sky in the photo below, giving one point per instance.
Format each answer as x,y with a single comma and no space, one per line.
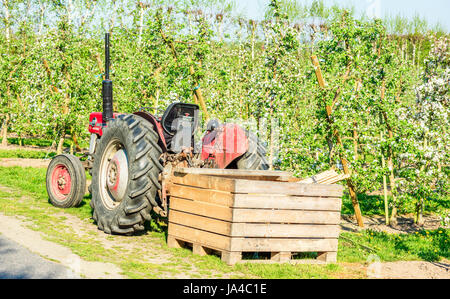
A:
432,10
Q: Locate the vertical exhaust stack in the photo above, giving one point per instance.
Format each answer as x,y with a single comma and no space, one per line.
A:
107,88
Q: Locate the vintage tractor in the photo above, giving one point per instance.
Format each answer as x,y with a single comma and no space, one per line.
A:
131,156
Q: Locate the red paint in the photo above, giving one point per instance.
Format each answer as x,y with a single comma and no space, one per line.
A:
61,182
116,185
99,124
156,124
224,145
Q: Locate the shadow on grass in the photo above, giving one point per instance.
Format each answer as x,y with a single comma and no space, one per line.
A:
370,204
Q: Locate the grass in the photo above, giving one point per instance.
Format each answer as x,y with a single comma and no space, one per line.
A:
30,183
372,205
25,154
424,245
31,154
40,142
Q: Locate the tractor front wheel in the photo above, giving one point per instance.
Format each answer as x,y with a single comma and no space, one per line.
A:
125,175
65,181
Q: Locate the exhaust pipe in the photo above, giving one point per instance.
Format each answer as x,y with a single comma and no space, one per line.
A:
107,87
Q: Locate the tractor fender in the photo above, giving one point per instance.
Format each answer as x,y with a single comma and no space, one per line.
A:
224,145
158,128
96,125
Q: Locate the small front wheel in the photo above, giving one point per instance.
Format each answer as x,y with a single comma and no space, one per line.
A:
66,181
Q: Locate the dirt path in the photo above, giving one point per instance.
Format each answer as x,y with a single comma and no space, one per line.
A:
35,163
409,270
26,147
15,230
148,249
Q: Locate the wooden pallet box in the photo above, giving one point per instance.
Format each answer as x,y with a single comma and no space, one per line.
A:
236,215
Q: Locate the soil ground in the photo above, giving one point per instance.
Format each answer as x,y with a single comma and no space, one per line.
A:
405,224
35,163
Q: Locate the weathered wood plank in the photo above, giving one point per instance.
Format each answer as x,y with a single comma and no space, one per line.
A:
219,242
282,257
287,202
239,174
284,245
203,181
258,187
231,258
205,195
200,222
285,216
192,235
201,208
324,178
328,257
271,230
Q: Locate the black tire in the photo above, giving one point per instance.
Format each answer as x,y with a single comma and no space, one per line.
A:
140,142
255,157
66,167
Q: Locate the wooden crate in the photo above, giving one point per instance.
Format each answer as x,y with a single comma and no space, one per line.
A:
236,215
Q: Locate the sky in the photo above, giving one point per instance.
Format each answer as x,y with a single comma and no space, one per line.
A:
433,11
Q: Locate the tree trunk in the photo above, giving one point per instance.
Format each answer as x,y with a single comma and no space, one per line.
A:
69,9
141,22
41,17
355,141
5,131
385,192
112,21
59,149
253,38
419,213
198,95
390,162
7,20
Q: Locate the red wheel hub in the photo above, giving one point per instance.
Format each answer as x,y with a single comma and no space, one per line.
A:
61,182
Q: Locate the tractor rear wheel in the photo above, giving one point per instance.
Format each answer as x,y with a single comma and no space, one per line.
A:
255,157
125,175
65,181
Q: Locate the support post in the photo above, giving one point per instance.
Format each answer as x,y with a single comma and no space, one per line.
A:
344,161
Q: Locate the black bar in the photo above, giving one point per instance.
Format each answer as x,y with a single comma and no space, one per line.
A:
107,88
107,61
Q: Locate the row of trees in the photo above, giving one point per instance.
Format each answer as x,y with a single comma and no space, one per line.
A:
374,102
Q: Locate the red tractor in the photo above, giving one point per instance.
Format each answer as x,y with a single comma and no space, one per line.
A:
131,154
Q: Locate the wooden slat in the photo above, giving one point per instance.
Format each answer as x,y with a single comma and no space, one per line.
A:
257,187
263,175
285,216
287,202
318,177
200,222
201,208
280,245
203,181
325,178
199,194
192,235
219,242
284,230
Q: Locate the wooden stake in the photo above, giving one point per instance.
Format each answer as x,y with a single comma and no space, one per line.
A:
198,95
344,161
386,203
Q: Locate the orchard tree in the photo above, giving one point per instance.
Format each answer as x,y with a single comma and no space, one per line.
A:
426,137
